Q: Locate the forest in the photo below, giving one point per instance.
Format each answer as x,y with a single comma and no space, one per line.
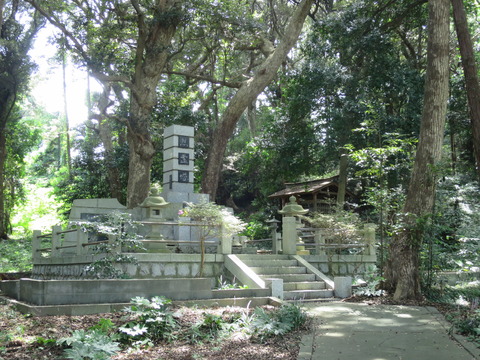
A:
278,91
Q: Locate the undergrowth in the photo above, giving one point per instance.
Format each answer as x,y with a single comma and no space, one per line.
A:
151,322
461,307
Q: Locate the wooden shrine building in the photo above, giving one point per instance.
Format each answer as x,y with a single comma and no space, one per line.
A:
316,195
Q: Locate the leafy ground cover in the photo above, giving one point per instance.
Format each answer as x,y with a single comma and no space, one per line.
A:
152,329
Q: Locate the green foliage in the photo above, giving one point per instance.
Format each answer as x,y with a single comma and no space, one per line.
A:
17,135
463,311
451,237
214,221
224,284
88,177
16,255
91,344
369,283
339,219
151,321
266,324
257,227
38,211
41,341
105,326
466,323
120,227
210,328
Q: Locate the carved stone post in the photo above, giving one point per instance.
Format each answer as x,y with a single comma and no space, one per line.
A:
319,240
276,244
226,242
289,235
55,240
36,244
369,231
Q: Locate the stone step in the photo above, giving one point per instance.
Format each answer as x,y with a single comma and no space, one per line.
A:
269,262
299,295
265,270
245,257
291,277
304,285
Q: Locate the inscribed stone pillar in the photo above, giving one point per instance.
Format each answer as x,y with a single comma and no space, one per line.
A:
178,157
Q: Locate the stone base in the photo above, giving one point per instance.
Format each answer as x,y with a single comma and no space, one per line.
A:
303,252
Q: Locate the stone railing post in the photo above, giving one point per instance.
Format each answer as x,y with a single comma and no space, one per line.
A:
289,235
319,240
36,244
56,240
276,244
112,240
369,234
225,242
82,237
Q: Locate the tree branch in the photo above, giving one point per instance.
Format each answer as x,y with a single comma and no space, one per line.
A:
209,79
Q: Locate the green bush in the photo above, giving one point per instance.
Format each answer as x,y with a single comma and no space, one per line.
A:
210,328
91,344
16,255
123,229
287,318
151,321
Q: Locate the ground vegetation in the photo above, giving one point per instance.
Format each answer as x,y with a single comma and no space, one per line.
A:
152,329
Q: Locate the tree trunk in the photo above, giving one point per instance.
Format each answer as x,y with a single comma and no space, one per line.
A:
156,26
246,94
342,179
141,152
67,122
3,157
471,75
403,272
106,136
150,63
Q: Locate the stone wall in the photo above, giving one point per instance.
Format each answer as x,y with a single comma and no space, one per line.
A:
342,265
150,266
63,292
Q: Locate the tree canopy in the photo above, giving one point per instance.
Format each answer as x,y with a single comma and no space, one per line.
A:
278,91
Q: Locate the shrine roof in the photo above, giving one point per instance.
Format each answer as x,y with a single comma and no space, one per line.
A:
306,187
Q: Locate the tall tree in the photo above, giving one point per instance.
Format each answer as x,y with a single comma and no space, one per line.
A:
471,74
16,39
403,267
246,94
126,43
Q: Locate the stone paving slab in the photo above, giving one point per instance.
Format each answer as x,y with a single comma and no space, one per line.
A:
357,331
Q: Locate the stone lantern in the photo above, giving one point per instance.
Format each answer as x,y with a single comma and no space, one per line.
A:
292,208
155,204
290,225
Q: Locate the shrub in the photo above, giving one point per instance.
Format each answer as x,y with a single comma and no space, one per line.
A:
287,318
91,344
123,229
151,321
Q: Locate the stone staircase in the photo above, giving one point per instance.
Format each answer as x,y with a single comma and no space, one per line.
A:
298,283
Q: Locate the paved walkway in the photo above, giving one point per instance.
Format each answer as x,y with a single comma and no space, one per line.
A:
354,331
